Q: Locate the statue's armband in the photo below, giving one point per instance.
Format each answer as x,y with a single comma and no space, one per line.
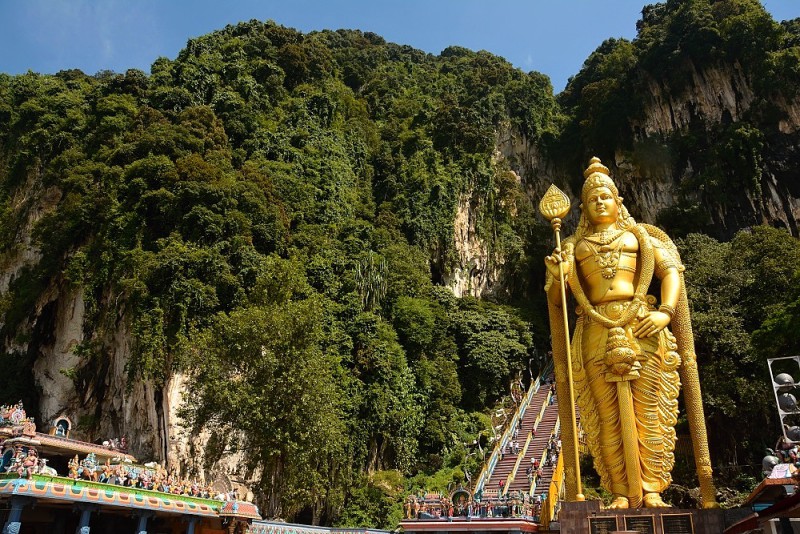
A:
666,258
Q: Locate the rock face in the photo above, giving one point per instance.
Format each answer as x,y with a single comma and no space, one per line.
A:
56,362
95,393
34,201
655,174
98,397
477,270
713,95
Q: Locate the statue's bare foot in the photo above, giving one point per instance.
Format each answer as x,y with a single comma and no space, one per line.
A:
619,503
653,500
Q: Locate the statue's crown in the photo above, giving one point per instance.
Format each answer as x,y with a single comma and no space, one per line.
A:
597,175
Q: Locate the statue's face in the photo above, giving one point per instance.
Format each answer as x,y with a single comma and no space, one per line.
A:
601,206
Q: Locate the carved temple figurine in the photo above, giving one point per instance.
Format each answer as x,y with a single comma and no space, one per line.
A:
627,367
105,475
407,507
88,468
28,463
73,466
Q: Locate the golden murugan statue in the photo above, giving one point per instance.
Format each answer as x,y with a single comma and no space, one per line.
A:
627,367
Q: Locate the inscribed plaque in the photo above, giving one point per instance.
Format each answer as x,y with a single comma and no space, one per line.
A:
645,524
602,525
677,523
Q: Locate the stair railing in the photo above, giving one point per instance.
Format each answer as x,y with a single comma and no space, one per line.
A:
548,368
553,493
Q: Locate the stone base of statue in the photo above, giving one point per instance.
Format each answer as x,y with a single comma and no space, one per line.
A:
588,518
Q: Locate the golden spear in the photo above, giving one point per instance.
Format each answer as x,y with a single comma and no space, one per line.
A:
554,206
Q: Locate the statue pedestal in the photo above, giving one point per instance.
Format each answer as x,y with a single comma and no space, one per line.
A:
588,518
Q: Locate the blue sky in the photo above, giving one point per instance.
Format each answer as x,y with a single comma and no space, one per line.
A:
550,36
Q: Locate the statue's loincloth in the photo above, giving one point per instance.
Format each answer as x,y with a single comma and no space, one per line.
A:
654,394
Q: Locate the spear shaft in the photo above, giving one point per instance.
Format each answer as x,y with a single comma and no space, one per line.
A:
556,223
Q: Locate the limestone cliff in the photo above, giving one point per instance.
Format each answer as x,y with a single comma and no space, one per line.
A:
663,181
716,96
477,268
95,393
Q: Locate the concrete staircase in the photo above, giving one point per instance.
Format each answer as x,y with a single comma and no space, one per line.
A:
537,449
509,463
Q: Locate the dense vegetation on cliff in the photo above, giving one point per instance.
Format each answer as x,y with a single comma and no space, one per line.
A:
272,214
269,213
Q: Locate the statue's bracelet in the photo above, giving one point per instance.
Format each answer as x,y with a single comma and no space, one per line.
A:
666,308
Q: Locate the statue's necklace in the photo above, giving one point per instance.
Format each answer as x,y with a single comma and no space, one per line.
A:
605,237
607,258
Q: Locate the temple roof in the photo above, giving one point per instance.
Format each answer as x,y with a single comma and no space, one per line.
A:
239,509
56,445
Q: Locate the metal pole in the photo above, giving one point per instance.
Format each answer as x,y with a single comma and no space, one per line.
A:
556,222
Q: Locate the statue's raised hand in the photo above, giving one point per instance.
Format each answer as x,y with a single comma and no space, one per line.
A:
559,256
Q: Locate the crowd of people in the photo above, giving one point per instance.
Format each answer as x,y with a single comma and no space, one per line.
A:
512,445
515,504
490,505
534,471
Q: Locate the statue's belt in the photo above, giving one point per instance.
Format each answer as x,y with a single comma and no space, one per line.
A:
622,353
612,310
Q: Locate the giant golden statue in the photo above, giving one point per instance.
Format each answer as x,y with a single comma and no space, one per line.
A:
627,367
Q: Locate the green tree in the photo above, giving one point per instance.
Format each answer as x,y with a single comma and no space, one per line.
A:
294,437
739,291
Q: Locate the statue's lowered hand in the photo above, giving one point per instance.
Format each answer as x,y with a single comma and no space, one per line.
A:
651,325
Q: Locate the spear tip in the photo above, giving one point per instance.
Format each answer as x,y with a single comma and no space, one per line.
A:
554,204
